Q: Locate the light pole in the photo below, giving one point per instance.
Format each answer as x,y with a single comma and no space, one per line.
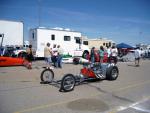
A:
39,13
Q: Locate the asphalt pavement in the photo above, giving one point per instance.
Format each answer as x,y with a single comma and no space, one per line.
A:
21,91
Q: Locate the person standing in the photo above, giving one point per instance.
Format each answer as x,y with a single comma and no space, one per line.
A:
149,53
101,54
47,54
137,55
114,53
108,53
93,55
29,57
60,56
54,55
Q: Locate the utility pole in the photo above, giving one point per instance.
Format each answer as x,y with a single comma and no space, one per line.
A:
39,13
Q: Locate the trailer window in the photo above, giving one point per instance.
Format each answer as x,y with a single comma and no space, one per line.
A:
33,36
85,42
78,40
67,38
52,37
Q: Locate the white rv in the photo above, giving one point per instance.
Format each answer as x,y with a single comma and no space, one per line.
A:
12,32
69,40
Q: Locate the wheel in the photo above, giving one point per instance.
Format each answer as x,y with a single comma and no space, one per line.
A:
68,83
47,76
112,73
22,55
76,61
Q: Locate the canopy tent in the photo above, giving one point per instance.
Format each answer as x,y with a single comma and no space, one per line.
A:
123,45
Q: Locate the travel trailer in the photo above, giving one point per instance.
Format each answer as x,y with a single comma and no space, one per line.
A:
11,32
70,41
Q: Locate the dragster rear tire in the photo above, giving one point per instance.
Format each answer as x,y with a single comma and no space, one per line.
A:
67,83
112,73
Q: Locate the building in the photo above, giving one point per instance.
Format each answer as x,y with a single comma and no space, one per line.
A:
11,33
67,39
97,42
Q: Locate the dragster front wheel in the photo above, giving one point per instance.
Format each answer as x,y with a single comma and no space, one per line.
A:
68,83
47,76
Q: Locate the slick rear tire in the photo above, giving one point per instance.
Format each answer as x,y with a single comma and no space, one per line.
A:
112,73
68,83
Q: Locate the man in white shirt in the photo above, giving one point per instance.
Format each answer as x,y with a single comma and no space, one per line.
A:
137,55
114,53
54,55
108,53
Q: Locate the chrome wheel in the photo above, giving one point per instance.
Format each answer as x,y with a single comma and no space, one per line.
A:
114,73
68,82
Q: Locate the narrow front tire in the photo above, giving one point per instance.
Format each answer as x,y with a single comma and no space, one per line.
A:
47,76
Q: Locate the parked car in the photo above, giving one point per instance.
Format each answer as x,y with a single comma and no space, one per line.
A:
20,52
8,51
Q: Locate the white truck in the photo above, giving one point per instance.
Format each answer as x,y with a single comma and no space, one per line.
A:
12,32
70,41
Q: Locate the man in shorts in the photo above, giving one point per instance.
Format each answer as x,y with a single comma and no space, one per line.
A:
47,54
137,55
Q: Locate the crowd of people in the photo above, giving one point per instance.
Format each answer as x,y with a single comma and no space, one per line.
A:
53,55
141,54
110,54
102,54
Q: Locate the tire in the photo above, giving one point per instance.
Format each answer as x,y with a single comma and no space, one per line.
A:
76,61
47,76
112,73
68,83
22,55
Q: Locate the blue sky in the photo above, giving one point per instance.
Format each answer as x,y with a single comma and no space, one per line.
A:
119,20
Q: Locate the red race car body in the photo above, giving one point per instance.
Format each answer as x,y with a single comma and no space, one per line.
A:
10,61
